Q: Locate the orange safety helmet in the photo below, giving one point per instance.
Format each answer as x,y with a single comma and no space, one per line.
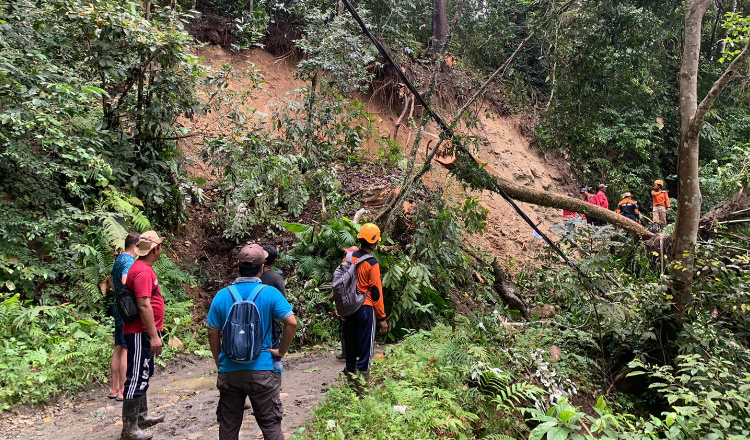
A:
370,233
659,182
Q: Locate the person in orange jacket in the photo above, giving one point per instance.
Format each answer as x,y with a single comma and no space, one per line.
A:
359,328
660,202
629,207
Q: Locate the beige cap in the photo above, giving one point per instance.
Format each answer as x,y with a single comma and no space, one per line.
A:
626,194
253,254
148,241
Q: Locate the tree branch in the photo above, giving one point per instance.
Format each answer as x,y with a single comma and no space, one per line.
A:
700,115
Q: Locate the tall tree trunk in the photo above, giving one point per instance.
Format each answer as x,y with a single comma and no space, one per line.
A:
692,116
688,187
439,25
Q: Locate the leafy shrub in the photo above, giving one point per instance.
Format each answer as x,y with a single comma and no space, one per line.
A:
48,350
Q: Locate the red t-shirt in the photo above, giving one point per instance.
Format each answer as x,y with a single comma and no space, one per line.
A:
142,281
601,200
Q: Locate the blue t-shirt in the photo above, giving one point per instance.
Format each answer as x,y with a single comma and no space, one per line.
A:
271,305
123,262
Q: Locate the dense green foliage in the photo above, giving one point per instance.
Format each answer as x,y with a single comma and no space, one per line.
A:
51,349
90,93
91,96
421,278
484,377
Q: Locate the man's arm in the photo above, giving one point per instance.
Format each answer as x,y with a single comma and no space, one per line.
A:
290,328
147,317
214,341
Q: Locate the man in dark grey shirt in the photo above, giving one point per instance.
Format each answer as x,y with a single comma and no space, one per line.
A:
271,277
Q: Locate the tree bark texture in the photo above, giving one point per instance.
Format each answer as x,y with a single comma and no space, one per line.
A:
439,25
688,187
692,117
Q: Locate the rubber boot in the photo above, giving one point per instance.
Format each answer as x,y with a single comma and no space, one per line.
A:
130,429
143,419
342,356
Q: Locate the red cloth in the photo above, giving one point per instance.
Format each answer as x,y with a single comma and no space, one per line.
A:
601,200
142,281
569,214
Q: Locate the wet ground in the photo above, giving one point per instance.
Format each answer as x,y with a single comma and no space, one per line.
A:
185,392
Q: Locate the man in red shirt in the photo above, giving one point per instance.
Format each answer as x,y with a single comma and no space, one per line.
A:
590,198
601,197
142,338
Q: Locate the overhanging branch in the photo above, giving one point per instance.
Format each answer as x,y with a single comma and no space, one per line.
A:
700,115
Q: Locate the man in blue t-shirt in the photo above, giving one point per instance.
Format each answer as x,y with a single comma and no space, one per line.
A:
258,379
118,363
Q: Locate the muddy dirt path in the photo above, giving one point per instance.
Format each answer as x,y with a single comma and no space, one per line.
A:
186,393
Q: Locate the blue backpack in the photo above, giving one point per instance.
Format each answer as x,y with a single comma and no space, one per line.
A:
243,330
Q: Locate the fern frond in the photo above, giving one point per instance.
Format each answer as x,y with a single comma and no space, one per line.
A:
114,231
512,395
498,437
140,221
135,201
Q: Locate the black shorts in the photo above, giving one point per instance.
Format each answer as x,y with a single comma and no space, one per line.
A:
140,365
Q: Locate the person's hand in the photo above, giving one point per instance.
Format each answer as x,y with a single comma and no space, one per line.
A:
336,313
383,328
275,352
156,346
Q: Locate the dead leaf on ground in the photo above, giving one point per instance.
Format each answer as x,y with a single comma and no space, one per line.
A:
555,352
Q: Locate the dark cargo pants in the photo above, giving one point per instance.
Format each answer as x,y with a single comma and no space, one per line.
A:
359,339
263,388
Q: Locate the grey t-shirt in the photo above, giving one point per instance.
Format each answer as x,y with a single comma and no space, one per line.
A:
274,279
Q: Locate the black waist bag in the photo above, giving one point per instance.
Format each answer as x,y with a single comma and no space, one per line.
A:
127,306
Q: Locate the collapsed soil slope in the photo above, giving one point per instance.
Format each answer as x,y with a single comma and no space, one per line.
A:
504,147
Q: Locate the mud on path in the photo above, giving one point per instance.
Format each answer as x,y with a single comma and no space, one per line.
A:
185,392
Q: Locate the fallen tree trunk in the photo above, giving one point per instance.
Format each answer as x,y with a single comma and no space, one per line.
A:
735,208
560,201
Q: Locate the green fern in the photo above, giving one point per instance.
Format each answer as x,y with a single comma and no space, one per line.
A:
511,396
140,221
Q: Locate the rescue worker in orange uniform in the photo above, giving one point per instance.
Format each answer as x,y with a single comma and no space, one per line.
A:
359,328
660,202
629,207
